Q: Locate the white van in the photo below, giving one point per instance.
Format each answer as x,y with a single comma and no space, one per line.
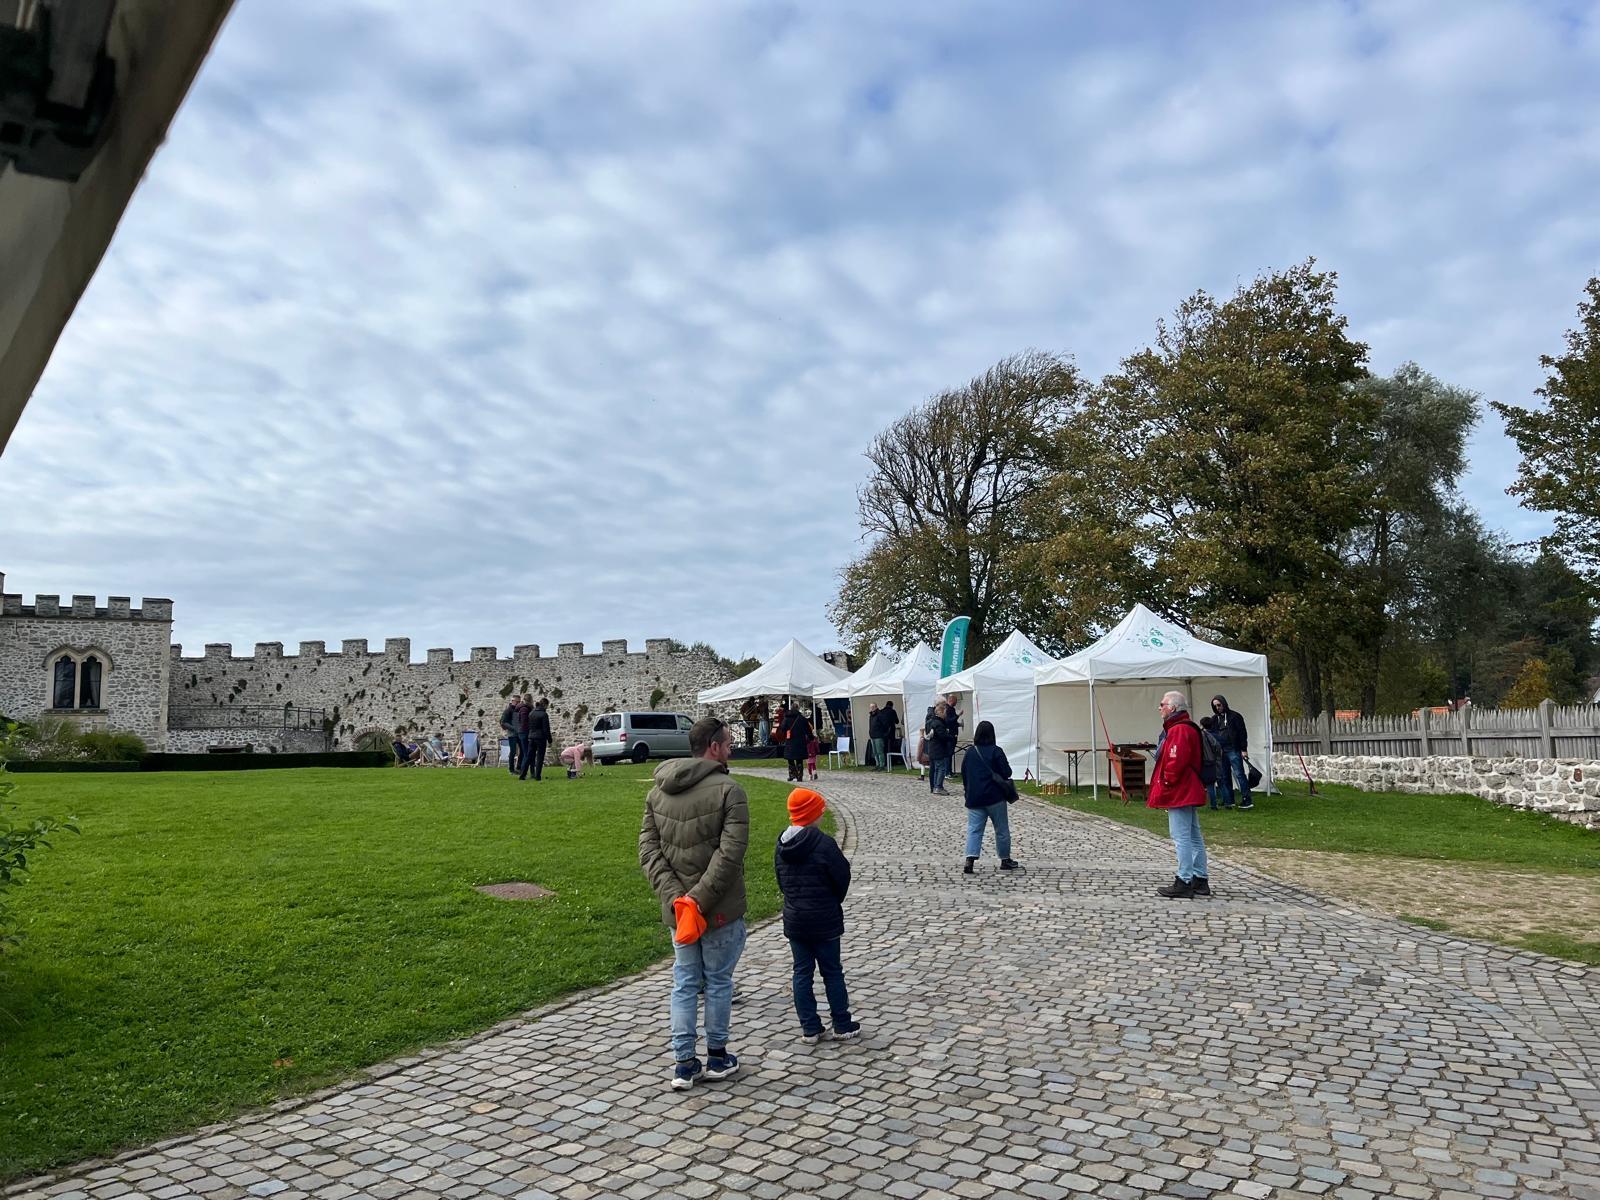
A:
640,736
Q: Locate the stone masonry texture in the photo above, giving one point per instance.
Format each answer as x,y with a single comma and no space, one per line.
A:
1057,1032
385,691
1564,788
361,690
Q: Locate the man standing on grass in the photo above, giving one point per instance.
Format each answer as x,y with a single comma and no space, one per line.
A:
515,722
538,736
692,844
1176,787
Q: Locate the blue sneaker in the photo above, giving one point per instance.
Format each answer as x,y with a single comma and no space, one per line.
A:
720,1066
685,1073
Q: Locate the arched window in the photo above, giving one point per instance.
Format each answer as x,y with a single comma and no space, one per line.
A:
64,683
89,682
76,678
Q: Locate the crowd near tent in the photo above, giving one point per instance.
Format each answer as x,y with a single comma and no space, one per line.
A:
1004,691
909,683
792,671
1108,692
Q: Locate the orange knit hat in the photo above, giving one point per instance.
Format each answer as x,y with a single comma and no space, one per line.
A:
805,806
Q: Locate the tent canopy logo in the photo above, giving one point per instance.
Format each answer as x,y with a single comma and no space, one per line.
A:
1162,641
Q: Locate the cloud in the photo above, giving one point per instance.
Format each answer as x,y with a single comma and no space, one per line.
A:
538,324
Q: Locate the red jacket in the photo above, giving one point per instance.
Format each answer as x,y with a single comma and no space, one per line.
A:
1175,782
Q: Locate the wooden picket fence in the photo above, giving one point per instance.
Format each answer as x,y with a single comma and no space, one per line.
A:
1549,731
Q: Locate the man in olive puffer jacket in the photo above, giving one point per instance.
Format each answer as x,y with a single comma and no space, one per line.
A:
692,845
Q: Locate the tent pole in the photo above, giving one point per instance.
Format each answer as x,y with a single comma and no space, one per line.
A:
1094,767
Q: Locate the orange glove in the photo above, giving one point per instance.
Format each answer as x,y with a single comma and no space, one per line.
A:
691,924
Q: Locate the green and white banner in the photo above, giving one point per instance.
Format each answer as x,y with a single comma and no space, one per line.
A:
953,651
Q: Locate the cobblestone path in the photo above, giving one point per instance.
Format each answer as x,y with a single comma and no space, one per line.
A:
1061,1032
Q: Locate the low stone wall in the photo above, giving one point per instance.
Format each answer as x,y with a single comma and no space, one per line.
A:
263,739
1565,788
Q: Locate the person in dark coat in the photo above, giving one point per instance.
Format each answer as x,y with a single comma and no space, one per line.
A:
891,731
939,738
814,877
1234,739
879,739
538,739
515,722
986,781
797,734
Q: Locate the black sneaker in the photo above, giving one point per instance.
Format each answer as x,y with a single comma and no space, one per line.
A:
1010,864
1247,806
685,1073
1201,886
967,870
847,1033
720,1066
1178,889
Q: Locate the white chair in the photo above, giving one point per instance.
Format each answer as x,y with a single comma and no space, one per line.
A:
505,753
839,753
894,754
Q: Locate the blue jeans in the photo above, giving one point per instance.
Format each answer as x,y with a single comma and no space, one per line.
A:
519,753
1222,789
1001,820
1184,825
1232,768
710,961
823,956
938,771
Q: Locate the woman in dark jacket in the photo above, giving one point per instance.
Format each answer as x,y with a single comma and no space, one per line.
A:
939,738
797,735
986,779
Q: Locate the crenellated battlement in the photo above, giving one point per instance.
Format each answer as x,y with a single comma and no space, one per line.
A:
399,650
116,608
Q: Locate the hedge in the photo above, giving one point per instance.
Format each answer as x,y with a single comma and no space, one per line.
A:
218,762
265,762
48,765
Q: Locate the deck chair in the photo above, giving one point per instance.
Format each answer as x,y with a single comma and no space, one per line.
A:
402,756
470,752
432,757
840,752
505,753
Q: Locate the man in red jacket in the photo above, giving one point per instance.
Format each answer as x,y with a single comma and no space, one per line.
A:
1175,786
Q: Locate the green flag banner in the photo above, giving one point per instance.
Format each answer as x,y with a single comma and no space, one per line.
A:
953,652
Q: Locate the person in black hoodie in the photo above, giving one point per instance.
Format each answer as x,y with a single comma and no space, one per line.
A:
538,738
814,877
1234,740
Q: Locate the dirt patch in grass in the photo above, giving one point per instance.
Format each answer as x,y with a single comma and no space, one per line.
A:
1477,899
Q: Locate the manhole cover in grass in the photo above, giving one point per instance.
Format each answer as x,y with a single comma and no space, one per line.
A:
515,890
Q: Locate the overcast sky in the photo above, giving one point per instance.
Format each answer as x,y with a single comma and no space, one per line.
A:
490,323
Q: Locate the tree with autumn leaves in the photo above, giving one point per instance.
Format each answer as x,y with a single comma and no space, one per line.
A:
1244,474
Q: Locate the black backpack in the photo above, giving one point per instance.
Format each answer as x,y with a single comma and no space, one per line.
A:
1210,755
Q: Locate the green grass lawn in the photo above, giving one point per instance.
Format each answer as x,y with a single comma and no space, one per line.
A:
1347,820
215,941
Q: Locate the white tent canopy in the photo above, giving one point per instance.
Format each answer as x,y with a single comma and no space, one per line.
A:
1004,691
879,664
792,671
909,683
1109,691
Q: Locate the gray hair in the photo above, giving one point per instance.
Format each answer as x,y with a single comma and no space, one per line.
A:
1177,701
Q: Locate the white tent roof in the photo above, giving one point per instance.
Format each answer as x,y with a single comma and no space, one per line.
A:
792,671
1015,658
879,664
919,666
1144,646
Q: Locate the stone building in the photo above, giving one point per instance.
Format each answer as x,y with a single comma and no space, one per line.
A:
117,668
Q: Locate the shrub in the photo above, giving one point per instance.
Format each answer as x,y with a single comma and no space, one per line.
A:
112,747
17,842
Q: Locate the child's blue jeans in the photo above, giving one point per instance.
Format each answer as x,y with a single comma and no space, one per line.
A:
823,956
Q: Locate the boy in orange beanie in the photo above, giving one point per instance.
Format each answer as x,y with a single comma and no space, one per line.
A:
814,876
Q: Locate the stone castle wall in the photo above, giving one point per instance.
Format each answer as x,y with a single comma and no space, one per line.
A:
365,690
1564,788
132,643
